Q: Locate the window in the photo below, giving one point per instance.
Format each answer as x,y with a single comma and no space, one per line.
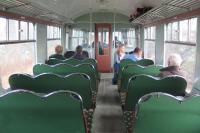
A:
182,41
175,31
53,32
149,43
3,29
54,39
13,30
80,37
31,31
193,30
131,39
182,31
127,36
16,58
169,31
23,30
188,54
149,50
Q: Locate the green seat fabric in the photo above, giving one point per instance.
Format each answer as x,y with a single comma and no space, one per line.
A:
65,69
71,61
126,62
141,85
47,83
132,70
75,62
164,114
26,112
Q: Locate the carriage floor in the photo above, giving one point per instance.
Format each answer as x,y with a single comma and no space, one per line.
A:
108,113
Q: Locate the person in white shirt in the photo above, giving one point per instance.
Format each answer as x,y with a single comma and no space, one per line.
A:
119,55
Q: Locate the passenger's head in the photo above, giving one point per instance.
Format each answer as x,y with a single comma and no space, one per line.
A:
121,48
137,51
58,49
174,60
79,49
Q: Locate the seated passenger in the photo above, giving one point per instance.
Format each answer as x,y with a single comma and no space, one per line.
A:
174,66
69,54
79,53
58,53
135,56
119,55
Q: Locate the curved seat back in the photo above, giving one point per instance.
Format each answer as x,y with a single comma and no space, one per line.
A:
132,70
65,69
126,62
165,114
141,85
27,112
47,83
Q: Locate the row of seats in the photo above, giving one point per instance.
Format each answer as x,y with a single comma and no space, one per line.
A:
79,80
164,113
139,79
27,112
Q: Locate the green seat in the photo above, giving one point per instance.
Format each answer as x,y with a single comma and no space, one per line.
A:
132,70
165,114
65,69
47,83
27,112
72,61
75,62
141,85
126,62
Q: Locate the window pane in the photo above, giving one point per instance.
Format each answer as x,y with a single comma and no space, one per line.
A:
153,32
13,29
169,32
23,61
56,32
31,31
3,31
149,50
24,30
175,31
188,53
50,32
51,46
145,33
184,31
193,30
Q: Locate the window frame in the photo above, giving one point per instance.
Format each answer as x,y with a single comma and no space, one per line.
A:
169,39
18,40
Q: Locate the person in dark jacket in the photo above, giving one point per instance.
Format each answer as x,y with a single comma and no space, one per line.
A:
174,67
79,53
58,53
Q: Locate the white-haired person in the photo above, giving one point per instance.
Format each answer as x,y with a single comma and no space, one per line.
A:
174,66
58,53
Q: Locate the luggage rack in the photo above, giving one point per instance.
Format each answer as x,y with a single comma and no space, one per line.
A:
31,9
167,9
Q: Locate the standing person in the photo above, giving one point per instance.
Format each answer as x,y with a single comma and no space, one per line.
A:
119,55
135,55
79,53
58,53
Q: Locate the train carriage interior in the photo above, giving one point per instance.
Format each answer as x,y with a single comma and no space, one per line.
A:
99,66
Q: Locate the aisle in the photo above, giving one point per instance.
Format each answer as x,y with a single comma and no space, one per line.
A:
108,114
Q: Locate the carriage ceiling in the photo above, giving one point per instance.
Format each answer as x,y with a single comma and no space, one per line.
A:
65,11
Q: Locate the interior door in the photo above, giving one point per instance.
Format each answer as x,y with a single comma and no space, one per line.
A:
103,47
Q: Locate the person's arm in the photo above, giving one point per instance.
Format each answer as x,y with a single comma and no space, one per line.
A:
116,58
